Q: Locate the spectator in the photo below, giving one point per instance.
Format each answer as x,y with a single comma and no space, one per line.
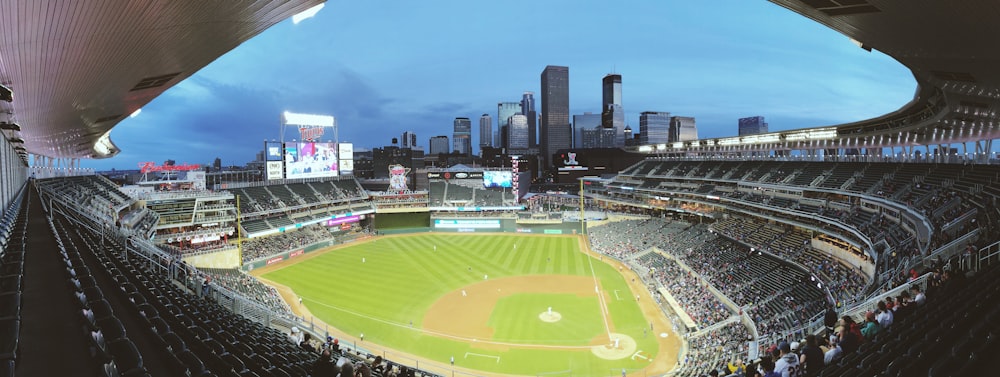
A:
884,316
306,343
788,361
870,327
811,359
918,296
324,366
850,335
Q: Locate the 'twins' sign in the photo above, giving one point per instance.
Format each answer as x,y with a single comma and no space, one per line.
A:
310,133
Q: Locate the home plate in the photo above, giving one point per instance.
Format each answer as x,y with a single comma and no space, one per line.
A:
664,335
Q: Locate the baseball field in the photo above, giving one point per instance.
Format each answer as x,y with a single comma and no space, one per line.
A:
497,304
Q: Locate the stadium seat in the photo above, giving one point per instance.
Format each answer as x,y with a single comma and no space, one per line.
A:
10,305
193,364
112,328
9,329
109,369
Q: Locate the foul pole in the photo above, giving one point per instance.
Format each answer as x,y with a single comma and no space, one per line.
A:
582,217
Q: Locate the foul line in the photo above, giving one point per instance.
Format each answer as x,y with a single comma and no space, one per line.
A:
617,296
482,355
600,297
450,336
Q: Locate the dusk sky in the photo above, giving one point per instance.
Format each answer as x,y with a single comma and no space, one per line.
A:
384,67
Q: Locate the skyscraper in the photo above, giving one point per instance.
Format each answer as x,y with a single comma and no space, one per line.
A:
654,127
752,125
597,137
612,115
517,132
581,122
462,139
439,144
528,109
485,131
409,139
682,129
555,129
504,111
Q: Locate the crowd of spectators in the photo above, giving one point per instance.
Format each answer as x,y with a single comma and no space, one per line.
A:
721,346
690,293
625,238
845,283
261,247
777,297
238,281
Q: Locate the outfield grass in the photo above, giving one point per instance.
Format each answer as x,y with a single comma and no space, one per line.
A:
378,288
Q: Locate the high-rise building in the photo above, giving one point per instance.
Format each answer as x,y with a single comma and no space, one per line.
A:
630,139
654,127
462,140
504,111
581,122
409,139
597,137
555,129
612,115
517,132
752,125
485,131
682,129
439,144
528,109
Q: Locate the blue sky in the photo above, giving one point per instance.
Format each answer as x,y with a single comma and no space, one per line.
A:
384,67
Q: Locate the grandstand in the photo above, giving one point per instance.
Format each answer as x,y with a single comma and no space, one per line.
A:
754,238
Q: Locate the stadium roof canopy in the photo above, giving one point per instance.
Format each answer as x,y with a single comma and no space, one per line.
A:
950,46
77,68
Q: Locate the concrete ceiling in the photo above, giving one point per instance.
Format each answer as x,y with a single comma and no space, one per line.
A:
77,68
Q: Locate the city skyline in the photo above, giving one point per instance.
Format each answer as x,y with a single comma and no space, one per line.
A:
705,64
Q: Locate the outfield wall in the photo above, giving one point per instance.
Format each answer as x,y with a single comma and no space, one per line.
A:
502,225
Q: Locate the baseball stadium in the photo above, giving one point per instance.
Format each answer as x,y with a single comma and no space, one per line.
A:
869,248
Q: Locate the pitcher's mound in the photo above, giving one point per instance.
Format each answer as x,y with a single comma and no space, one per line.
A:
608,351
550,316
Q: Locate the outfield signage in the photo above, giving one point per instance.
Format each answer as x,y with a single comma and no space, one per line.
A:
342,220
296,253
455,175
467,224
275,260
477,209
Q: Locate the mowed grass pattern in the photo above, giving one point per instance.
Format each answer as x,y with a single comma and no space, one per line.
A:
380,287
515,319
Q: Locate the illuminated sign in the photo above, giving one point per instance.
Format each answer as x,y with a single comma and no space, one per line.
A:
273,170
150,167
455,175
342,220
346,151
467,224
272,151
308,119
310,160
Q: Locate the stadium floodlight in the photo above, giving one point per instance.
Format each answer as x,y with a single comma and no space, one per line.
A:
312,120
307,14
135,113
6,94
645,148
